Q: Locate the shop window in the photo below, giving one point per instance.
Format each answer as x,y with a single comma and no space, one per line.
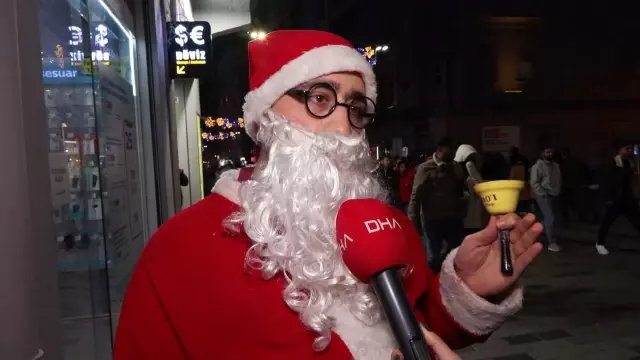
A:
90,96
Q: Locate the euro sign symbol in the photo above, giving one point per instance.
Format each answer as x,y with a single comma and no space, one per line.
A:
196,35
181,35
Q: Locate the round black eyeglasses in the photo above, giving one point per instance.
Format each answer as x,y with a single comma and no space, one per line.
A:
321,101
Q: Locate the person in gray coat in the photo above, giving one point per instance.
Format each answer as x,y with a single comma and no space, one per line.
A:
546,182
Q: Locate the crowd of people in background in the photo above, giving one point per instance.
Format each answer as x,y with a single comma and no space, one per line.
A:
436,191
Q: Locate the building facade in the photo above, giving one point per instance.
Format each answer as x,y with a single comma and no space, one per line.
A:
565,74
92,153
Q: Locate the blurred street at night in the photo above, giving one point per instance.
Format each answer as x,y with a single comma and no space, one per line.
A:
578,305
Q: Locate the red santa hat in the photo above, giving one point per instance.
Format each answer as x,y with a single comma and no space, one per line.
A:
285,59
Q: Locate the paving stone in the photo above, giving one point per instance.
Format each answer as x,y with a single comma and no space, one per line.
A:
553,334
563,264
573,274
538,287
522,339
466,351
582,321
589,312
514,357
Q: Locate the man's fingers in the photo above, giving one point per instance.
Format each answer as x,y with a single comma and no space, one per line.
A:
488,235
526,258
508,221
530,237
439,347
523,225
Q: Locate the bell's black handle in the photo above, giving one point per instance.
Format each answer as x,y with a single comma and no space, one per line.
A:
506,265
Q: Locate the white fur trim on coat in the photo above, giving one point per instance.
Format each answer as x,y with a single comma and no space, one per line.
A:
473,313
310,65
229,186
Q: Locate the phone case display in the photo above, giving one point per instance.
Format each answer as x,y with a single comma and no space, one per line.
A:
75,175
94,211
94,156
92,176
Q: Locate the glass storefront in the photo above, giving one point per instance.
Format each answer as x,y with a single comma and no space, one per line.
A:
88,72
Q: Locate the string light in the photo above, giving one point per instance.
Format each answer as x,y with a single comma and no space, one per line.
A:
220,128
220,136
224,123
371,52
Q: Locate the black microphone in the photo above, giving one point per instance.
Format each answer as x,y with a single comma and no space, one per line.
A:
374,250
388,287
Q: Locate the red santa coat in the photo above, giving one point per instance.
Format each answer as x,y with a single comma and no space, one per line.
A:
191,298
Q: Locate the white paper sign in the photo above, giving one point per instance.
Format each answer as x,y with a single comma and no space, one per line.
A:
500,138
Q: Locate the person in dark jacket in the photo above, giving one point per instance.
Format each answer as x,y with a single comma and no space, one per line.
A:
438,191
519,168
571,182
621,196
390,179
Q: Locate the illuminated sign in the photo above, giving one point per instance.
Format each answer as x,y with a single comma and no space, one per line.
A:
59,73
100,52
189,49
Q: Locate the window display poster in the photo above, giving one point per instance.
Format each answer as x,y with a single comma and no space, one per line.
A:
132,163
500,138
123,222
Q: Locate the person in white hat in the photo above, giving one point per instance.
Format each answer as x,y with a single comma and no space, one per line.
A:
254,271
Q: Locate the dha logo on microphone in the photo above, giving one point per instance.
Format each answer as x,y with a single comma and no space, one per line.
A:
373,226
345,240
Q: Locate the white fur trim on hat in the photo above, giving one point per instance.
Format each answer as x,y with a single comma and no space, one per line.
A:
310,65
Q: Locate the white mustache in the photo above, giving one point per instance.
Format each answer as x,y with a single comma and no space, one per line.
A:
300,135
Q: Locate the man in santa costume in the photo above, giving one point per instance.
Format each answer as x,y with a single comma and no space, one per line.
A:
254,271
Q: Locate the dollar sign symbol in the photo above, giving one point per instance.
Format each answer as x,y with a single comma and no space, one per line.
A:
181,35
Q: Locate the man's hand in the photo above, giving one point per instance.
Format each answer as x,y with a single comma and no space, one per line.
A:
477,262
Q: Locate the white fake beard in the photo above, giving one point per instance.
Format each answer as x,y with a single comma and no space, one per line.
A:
289,210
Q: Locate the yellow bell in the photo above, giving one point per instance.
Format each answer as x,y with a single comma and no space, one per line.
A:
500,196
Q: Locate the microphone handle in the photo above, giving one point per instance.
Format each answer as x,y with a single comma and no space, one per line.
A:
388,287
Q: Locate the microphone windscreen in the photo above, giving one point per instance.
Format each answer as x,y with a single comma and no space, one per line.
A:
371,239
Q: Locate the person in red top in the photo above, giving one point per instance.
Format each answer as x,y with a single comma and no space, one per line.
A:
254,271
406,183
